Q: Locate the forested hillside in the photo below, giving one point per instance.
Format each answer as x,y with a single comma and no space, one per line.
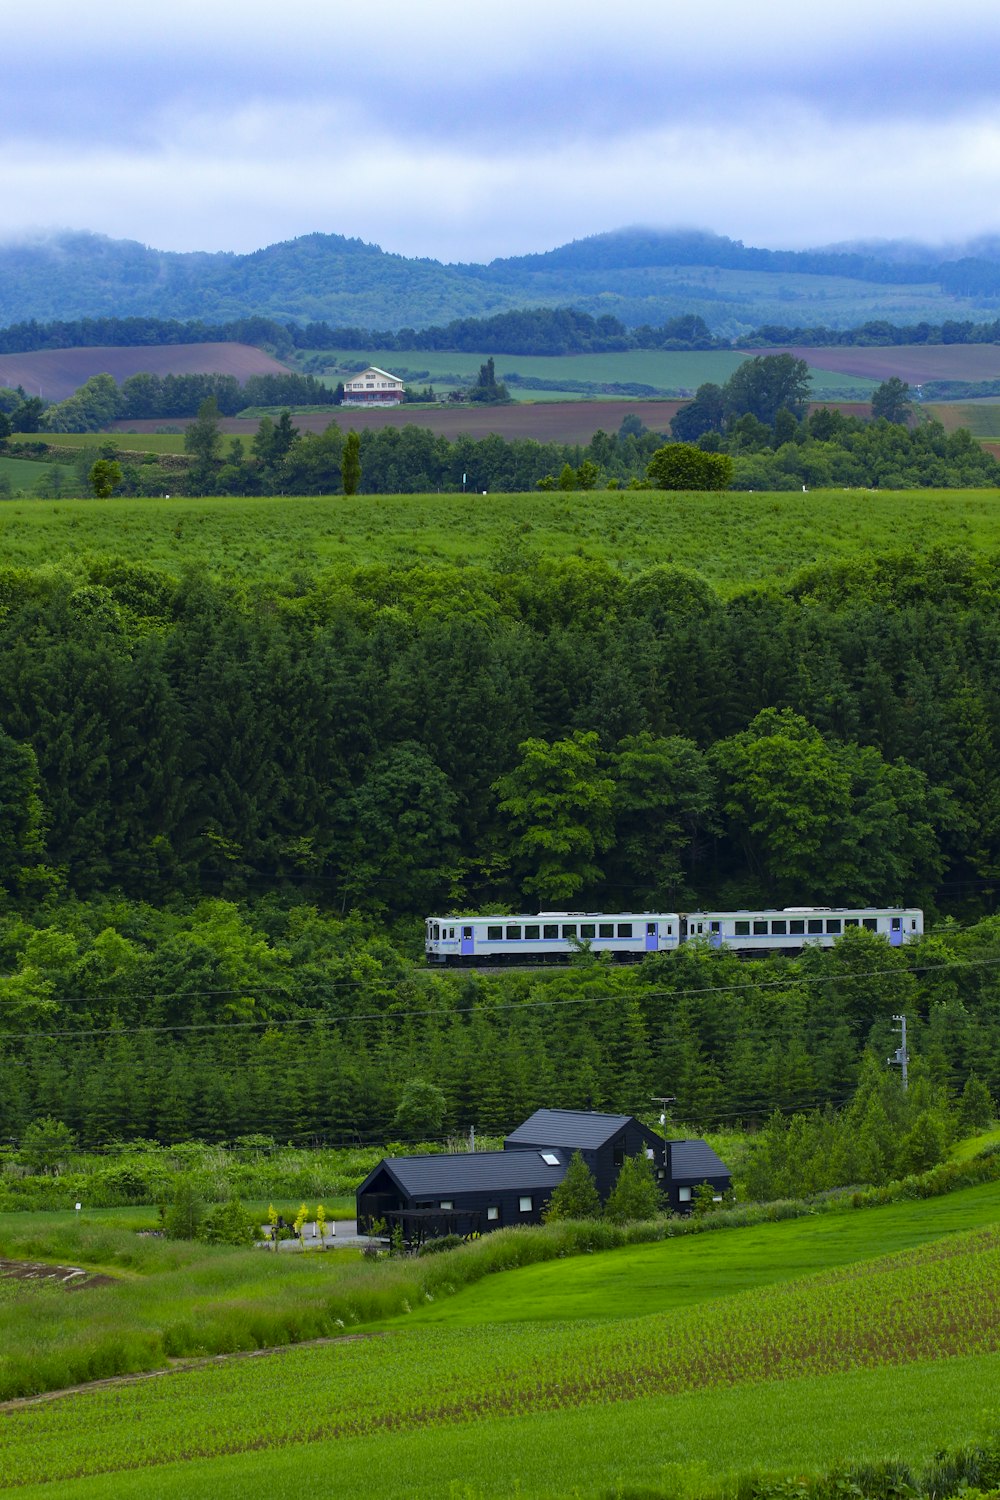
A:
639,276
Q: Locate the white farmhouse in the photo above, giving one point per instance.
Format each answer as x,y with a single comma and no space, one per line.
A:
373,387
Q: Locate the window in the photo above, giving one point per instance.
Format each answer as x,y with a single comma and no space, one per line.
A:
684,1195
451,932
871,923
550,930
913,924
446,1205
437,931
466,932
606,929
531,933
670,929
624,929
569,929
650,1154
833,924
760,929
494,934
779,928
524,1204
796,926
815,924
618,1156
493,1213
513,932
587,930
650,929
550,1159
742,929
850,921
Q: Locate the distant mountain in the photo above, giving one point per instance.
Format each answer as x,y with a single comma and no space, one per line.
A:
639,275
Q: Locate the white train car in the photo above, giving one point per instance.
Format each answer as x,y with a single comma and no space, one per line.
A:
549,936
554,936
794,926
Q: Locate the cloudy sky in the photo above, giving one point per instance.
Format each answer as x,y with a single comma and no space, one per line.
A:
463,131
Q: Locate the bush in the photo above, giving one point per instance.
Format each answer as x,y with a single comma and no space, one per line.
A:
576,1197
229,1224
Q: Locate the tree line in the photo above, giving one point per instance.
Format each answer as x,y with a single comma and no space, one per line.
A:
390,739
220,1020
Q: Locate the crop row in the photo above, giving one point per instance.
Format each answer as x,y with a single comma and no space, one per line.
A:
941,1301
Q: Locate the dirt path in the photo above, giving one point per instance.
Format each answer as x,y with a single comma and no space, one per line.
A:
73,1278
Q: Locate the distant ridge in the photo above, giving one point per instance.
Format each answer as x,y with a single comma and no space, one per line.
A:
640,275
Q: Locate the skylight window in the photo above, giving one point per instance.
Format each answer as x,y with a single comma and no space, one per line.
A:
550,1159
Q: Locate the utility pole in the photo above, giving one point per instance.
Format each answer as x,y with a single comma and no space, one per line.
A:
664,1101
472,1137
901,1058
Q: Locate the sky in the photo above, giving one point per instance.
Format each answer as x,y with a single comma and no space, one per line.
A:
464,132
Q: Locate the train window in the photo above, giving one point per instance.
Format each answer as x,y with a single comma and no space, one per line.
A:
569,929
494,934
531,933
550,930
760,929
913,924
606,929
670,929
466,932
796,926
437,931
742,929
624,929
815,924
778,929
833,924
850,921
871,923
513,932
451,932
587,930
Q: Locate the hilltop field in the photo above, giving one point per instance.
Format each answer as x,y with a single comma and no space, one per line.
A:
731,539
660,1369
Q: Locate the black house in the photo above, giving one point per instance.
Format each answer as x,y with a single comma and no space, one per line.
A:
467,1193
603,1141
686,1165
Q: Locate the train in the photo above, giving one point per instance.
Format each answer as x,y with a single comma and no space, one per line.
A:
555,936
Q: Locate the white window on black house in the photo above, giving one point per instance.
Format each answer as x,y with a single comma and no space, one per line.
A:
493,1213
446,1205
684,1195
524,1203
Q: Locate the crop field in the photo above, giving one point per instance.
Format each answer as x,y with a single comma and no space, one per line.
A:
896,1354
731,540
914,363
57,373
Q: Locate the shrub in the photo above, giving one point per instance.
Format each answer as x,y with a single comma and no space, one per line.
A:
229,1224
635,1195
576,1197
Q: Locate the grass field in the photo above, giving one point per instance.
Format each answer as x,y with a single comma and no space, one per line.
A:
789,1346
730,539
668,372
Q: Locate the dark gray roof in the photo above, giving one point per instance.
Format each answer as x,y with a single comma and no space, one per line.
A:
470,1172
695,1160
573,1129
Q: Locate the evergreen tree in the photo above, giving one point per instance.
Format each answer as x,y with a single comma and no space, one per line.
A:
576,1197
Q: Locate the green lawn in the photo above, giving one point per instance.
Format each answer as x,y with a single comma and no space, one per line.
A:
730,539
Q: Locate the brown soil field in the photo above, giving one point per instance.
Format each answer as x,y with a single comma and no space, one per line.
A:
57,373
546,422
912,362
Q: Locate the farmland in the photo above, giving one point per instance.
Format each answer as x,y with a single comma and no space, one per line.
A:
724,1335
57,373
731,540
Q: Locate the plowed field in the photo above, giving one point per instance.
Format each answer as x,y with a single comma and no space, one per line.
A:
57,373
912,362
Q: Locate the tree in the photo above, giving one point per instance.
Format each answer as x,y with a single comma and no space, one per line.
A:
558,804
105,477
203,440
682,466
227,1224
891,401
766,383
487,388
706,413
576,1197
350,464
664,795
975,1107
47,1145
635,1195
182,1219
420,1112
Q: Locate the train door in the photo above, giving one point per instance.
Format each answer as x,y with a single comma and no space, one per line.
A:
715,934
468,943
652,941
895,932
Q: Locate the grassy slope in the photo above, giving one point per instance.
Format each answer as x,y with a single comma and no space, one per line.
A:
293,1397
730,539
